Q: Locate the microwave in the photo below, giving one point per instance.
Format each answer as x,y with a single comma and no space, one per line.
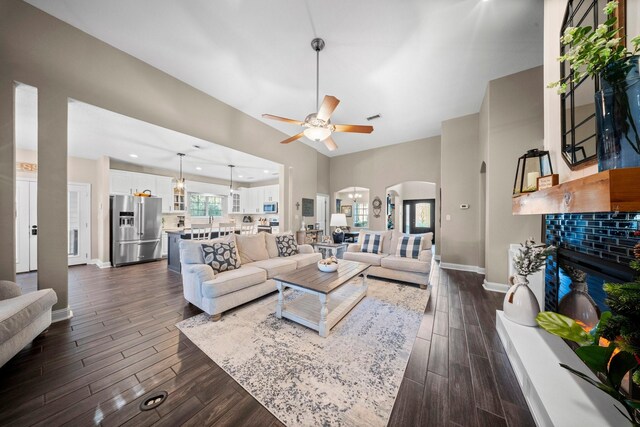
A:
270,207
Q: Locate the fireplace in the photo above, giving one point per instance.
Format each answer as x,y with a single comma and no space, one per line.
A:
593,249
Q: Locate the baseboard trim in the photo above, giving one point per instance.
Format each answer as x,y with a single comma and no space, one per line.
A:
495,287
462,267
100,264
60,315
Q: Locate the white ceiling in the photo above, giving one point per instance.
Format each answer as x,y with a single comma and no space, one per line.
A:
415,62
96,132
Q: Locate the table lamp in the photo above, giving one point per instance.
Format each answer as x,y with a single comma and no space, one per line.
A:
338,220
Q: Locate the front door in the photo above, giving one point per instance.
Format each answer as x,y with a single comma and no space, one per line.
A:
323,212
419,216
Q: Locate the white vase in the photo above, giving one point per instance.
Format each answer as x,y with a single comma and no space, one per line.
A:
520,303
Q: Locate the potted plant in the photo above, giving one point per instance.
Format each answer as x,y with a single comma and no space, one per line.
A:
520,304
601,53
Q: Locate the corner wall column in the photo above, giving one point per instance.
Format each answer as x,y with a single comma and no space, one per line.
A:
52,195
7,181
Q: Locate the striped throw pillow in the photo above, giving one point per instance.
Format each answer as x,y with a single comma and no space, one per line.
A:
409,246
372,243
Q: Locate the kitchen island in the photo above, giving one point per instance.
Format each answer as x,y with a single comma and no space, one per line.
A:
173,249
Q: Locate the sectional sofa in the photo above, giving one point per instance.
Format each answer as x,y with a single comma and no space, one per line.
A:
260,263
388,265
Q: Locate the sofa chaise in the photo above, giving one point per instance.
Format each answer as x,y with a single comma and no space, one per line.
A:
215,293
22,317
388,265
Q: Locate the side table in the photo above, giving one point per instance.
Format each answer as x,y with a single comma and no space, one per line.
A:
330,249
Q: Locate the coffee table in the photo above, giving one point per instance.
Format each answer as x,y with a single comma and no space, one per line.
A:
326,298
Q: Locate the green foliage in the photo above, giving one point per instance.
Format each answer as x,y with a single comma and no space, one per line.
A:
564,327
592,51
531,257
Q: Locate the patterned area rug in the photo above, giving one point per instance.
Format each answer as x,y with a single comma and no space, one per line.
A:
350,378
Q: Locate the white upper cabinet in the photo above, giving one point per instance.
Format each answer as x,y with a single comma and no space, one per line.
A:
164,189
120,182
272,193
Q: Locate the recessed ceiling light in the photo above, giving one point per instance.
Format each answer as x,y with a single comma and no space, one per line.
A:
198,168
239,176
135,156
266,171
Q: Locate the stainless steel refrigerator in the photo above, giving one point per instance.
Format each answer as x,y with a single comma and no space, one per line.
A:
136,229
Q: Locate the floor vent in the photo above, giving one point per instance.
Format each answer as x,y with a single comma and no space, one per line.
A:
153,400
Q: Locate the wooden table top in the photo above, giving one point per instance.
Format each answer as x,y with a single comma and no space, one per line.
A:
311,278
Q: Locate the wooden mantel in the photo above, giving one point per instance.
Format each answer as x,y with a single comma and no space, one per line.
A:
608,191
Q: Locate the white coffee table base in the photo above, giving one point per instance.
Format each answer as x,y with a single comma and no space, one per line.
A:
320,311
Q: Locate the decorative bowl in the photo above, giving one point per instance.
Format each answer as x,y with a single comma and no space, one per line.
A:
330,268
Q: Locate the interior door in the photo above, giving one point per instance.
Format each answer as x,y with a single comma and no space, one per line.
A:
78,223
323,212
33,225
419,216
23,227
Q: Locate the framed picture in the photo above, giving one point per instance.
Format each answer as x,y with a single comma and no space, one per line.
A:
308,208
346,210
310,227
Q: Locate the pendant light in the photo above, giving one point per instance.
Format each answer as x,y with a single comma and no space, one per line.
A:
180,183
231,179
355,196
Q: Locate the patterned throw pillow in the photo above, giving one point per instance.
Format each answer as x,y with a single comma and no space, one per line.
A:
287,245
409,246
371,243
221,256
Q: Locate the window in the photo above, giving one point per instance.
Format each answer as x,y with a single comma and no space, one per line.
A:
204,205
360,215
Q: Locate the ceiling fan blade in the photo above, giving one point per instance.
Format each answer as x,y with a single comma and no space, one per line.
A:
330,143
329,103
354,128
282,119
293,138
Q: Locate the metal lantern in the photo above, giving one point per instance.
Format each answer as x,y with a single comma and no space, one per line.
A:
531,165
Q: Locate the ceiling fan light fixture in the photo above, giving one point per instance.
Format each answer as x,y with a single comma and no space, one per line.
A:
317,133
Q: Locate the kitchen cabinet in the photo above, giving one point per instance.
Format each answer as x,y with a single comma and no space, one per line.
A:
271,193
120,182
164,189
251,200
234,204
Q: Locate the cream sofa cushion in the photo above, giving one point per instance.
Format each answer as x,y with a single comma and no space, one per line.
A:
191,250
9,290
275,266
373,259
386,239
18,313
252,247
304,259
425,243
405,264
233,280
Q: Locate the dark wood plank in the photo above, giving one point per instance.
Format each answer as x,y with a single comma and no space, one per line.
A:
487,419
417,365
439,355
435,407
462,408
441,323
458,352
475,340
517,416
407,410
484,386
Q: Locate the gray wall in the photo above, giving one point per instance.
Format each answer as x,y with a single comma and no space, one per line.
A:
63,62
511,122
460,153
380,168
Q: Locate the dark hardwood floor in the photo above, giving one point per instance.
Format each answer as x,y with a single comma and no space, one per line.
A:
458,373
121,344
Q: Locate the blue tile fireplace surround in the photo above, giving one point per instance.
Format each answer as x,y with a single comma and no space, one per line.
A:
600,244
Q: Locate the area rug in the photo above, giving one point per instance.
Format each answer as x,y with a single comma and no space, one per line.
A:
350,378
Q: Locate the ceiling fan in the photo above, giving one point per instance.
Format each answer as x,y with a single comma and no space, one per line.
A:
318,125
